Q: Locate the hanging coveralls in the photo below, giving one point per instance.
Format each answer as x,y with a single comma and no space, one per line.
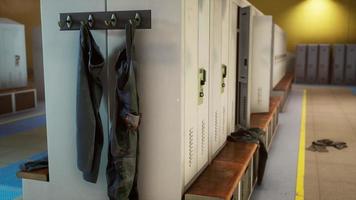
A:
123,145
89,94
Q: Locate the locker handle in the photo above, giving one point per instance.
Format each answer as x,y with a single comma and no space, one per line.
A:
224,71
203,76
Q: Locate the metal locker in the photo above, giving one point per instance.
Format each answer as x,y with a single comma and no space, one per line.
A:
191,91
300,63
350,68
261,63
215,108
225,68
244,67
324,64
203,83
312,63
13,64
232,66
338,65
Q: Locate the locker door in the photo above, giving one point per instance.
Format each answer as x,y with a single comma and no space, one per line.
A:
350,70
191,89
300,63
261,63
244,67
324,64
215,127
203,83
232,66
225,68
13,56
338,64
312,63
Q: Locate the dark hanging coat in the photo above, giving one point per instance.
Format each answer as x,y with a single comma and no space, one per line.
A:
89,94
123,145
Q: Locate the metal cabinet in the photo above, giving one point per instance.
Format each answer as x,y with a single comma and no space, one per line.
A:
350,67
324,64
338,64
13,64
262,49
203,82
300,63
312,63
244,68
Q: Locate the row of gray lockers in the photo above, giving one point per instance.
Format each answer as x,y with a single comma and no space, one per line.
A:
326,64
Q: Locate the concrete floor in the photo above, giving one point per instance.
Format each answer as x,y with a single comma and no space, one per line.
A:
331,114
280,177
20,146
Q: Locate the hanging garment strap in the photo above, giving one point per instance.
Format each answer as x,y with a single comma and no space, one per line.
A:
130,35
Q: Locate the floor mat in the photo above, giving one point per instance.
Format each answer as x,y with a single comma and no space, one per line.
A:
22,125
10,185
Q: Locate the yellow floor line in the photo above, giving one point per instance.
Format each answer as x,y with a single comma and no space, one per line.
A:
301,154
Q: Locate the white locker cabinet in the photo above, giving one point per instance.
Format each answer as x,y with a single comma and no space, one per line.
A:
324,64
234,15
280,55
244,65
312,63
13,66
261,63
350,68
188,39
219,68
338,65
300,63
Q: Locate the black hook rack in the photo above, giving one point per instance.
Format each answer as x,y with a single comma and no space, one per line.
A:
105,20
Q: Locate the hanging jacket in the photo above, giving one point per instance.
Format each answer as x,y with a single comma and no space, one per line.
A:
89,94
123,144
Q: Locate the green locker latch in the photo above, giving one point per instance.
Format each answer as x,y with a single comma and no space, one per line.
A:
202,82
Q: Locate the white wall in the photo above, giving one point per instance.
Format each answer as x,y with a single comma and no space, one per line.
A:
37,59
60,53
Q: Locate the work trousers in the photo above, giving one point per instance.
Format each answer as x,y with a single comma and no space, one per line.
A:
89,94
123,145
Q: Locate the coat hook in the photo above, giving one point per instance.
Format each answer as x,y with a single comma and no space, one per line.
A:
112,21
136,21
69,22
91,21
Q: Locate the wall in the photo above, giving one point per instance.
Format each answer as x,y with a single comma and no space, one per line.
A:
28,13
159,83
313,21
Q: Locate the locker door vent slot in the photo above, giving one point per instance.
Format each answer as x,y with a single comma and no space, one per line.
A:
191,146
203,137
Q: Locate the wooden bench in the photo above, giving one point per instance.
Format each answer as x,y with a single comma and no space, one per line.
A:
39,175
268,121
227,175
17,99
283,88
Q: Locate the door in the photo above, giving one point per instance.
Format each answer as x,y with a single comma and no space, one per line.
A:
338,64
203,82
244,69
215,113
191,63
350,69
